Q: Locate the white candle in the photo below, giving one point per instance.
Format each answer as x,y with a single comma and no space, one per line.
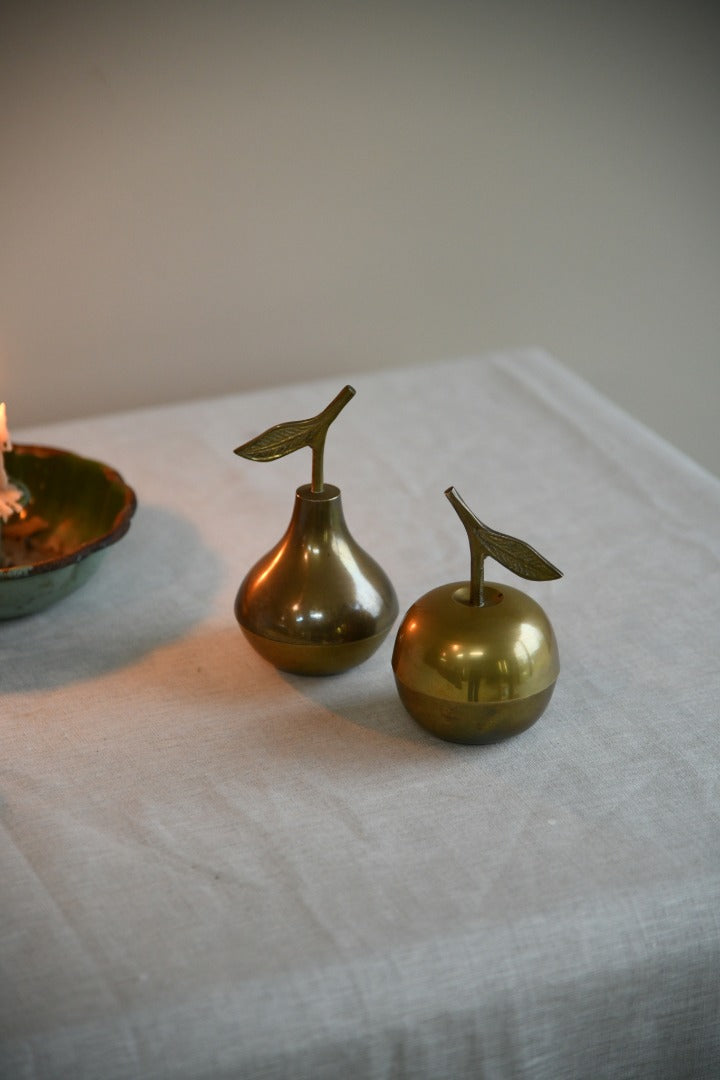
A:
10,496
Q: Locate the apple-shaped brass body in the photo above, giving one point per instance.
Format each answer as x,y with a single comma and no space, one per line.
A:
316,603
476,662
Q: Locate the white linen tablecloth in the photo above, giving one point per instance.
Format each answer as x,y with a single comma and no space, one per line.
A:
209,869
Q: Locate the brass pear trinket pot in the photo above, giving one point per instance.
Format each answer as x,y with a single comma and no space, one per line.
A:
316,603
476,662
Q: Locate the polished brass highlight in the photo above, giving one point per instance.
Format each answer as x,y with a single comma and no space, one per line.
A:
476,662
316,603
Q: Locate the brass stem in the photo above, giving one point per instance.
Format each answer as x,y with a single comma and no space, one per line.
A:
477,577
326,417
478,553
318,450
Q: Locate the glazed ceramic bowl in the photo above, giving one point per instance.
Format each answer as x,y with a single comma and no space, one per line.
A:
76,509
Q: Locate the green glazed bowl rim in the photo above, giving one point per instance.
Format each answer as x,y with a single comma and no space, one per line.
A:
117,530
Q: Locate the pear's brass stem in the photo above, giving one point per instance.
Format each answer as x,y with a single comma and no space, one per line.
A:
317,443
478,553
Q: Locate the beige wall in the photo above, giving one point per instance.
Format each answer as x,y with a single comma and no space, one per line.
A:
201,197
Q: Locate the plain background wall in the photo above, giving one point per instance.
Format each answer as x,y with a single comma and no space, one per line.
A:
203,197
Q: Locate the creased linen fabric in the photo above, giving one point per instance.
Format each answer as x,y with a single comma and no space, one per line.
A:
212,869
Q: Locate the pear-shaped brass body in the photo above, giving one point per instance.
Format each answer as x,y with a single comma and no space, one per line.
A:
475,674
317,603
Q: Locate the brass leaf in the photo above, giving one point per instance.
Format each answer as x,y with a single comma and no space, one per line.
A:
281,439
285,438
515,554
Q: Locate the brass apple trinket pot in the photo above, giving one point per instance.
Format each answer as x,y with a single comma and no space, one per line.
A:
476,662
316,603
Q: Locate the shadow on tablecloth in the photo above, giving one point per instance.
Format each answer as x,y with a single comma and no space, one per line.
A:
150,589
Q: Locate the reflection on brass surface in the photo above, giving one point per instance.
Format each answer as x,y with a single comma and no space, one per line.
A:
303,659
467,723
316,603
477,661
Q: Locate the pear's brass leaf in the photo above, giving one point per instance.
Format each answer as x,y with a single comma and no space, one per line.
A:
281,439
515,554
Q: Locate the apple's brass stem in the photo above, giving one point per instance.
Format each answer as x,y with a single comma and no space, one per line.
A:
477,577
477,552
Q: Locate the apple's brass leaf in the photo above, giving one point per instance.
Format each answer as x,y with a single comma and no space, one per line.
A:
515,554
281,439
